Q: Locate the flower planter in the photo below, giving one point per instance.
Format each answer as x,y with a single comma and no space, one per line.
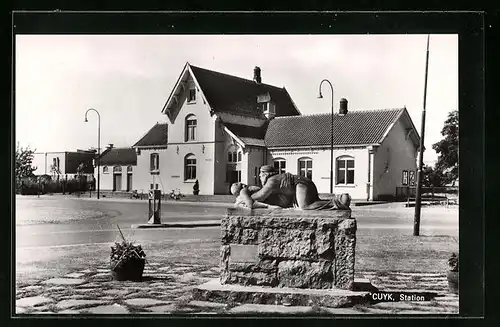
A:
130,269
452,277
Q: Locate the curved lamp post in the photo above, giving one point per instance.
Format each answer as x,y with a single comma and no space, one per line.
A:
98,146
320,96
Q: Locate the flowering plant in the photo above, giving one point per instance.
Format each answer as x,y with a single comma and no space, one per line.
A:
127,256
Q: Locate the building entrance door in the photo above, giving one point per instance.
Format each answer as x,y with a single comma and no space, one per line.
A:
117,182
129,182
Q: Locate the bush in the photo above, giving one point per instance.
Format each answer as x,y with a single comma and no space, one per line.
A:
28,186
44,185
196,188
453,262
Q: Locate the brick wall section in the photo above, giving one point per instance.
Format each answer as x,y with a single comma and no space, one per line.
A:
288,248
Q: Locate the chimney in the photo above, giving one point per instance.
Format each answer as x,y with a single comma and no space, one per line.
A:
343,107
256,75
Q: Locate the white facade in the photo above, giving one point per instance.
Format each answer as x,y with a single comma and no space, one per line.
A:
199,147
321,166
171,174
117,178
49,163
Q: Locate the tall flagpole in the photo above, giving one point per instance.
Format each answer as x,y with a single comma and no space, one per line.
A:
418,197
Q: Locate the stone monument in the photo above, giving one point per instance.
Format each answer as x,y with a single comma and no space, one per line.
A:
281,244
288,248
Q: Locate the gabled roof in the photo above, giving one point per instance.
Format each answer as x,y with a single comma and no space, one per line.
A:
118,156
228,93
354,128
156,136
249,135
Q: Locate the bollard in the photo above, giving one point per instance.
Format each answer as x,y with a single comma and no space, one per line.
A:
154,203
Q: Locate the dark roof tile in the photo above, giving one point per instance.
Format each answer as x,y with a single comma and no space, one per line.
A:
249,135
118,156
354,128
228,93
157,135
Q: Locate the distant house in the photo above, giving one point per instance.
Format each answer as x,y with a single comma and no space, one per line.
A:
117,169
63,165
221,129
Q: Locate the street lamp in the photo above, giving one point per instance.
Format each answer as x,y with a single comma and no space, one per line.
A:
98,146
320,96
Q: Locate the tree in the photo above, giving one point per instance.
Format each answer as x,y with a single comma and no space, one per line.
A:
24,159
80,171
432,177
447,149
23,168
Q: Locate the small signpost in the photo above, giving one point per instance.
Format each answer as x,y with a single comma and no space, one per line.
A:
154,203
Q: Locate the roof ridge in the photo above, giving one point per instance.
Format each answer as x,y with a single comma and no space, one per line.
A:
336,113
240,78
121,148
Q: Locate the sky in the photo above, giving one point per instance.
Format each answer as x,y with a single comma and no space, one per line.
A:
128,79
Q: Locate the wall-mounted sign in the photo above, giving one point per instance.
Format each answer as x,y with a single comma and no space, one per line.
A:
405,177
175,176
208,159
412,178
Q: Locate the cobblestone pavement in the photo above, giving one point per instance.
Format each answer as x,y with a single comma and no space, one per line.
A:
167,290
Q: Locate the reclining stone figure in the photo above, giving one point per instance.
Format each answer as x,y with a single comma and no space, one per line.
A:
286,190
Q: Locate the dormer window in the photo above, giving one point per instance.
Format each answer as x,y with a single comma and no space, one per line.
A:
266,106
192,94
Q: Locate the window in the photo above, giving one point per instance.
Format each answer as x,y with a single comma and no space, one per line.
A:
129,169
56,162
117,169
280,165
190,167
191,128
233,154
305,167
154,162
345,170
105,169
192,94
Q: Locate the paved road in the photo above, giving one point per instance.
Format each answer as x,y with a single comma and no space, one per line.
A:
56,228
48,221
57,220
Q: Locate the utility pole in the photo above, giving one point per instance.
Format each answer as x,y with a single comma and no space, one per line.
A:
418,196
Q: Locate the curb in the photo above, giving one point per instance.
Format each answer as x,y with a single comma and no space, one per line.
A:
215,204
187,224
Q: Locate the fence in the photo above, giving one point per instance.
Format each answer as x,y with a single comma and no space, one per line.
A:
404,192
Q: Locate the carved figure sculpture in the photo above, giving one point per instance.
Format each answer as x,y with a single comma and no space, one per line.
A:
287,190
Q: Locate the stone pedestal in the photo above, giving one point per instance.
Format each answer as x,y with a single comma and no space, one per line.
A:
288,248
